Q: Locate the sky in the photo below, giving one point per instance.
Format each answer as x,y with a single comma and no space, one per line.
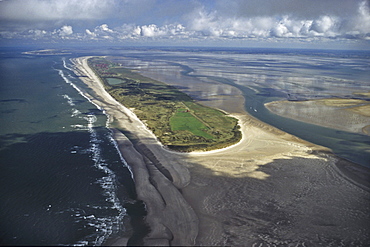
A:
291,23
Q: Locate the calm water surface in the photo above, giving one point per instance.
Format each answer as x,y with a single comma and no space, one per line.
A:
62,179
266,75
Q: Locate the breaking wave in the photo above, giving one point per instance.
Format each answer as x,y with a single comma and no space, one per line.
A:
113,210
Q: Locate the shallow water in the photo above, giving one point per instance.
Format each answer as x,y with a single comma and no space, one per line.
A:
63,181
262,76
114,81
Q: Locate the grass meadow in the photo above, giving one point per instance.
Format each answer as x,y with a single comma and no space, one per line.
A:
173,116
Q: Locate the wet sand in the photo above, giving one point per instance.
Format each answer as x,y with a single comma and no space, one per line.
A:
270,188
352,115
158,177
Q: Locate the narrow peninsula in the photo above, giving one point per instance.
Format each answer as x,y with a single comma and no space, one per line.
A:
256,192
175,118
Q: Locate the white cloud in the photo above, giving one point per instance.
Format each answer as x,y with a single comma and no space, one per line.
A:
361,24
41,10
199,24
100,32
286,26
323,25
65,31
151,31
130,31
280,30
105,28
89,33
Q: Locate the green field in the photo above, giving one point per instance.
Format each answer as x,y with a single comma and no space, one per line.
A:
177,121
183,120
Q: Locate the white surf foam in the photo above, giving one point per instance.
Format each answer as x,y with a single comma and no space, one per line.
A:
113,141
75,112
61,73
98,107
104,226
69,99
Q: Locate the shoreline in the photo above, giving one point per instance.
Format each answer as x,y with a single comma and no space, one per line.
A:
344,111
161,174
160,193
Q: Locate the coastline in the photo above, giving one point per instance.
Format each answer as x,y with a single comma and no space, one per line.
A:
147,159
211,181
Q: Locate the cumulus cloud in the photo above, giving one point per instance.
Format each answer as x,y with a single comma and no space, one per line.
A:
215,24
65,31
361,23
130,31
204,22
323,24
152,31
100,32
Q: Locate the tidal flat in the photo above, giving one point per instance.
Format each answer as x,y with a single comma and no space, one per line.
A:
270,188
352,115
81,169
221,78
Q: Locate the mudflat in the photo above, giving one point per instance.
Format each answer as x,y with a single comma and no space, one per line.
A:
270,188
352,115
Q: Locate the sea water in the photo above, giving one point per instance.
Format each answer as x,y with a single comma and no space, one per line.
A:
265,75
62,179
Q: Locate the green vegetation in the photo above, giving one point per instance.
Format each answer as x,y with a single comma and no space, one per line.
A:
186,121
177,121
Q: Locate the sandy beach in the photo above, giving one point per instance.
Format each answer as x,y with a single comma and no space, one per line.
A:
269,189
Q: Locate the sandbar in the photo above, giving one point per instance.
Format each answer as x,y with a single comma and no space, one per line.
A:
351,115
271,188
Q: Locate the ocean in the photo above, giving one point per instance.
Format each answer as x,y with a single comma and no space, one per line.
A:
63,181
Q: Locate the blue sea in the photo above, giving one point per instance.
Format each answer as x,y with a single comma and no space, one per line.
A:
63,181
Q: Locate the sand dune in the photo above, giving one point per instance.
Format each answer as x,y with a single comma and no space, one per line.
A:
270,188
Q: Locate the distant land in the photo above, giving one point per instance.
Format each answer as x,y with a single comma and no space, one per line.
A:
46,52
352,115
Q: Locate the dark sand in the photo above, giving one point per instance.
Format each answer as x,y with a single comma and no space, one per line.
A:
270,189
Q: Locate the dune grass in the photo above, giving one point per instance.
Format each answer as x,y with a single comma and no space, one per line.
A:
173,116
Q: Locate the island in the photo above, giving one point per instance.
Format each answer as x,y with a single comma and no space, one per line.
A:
268,189
47,52
178,121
